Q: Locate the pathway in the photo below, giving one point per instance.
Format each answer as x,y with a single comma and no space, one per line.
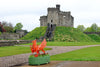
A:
23,58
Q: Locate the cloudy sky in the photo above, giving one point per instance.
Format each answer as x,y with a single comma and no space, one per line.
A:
28,12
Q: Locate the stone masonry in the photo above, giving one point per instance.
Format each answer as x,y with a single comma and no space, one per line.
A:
55,16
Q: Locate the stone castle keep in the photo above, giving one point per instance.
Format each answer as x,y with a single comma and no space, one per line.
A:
55,16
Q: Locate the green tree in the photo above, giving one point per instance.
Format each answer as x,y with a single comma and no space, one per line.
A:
88,29
98,29
18,26
81,28
8,29
94,27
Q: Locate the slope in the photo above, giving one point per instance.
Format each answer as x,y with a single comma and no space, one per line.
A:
64,34
36,33
94,37
70,34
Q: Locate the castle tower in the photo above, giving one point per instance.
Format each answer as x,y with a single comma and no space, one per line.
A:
58,7
55,16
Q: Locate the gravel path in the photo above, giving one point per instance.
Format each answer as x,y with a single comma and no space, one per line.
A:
23,58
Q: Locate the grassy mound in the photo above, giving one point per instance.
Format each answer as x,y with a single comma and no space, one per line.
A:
36,33
65,34
70,34
94,37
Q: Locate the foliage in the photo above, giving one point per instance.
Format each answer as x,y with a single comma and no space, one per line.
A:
0,33
4,23
36,33
8,29
70,34
94,27
95,37
0,29
85,54
7,26
18,26
88,29
81,28
14,50
66,43
98,29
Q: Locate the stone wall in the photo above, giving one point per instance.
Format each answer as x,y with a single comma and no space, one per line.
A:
55,16
13,42
9,36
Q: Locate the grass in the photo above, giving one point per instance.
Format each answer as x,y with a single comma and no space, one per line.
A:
85,54
14,50
69,34
95,37
68,43
61,33
36,33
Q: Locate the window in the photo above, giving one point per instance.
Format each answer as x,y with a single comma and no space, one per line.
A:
51,21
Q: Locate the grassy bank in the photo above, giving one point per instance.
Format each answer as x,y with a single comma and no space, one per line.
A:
69,34
85,54
14,50
36,33
94,37
61,34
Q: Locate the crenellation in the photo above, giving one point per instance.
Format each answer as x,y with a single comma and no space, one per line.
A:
55,16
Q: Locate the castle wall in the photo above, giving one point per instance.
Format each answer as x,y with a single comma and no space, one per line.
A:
43,21
55,16
9,36
52,16
65,19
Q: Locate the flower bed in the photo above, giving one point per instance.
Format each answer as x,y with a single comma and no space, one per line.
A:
42,59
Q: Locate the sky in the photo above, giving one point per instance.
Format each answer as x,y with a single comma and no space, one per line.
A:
28,12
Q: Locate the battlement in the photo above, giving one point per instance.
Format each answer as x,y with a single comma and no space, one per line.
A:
43,16
58,17
53,9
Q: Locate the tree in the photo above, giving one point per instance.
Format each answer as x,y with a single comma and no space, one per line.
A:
18,26
8,29
88,29
81,28
7,26
94,27
98,29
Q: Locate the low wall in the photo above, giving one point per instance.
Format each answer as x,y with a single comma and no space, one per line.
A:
13,42
9,36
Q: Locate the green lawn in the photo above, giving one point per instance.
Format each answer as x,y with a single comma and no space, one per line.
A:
85,54
14,50
68,43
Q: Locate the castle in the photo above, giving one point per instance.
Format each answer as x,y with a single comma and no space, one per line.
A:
55,16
